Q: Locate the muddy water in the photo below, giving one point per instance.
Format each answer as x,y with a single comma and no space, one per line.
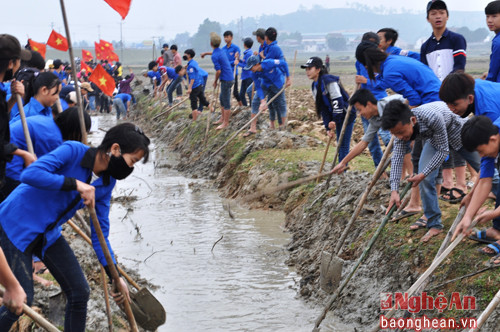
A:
166,231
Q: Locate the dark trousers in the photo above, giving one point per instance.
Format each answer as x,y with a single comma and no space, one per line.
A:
198,94
62,263
236,94
244,86
8,187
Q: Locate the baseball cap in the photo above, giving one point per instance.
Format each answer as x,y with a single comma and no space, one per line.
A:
86,86
259,32
71,97
252,61
10,48
165,45
436,4
313,62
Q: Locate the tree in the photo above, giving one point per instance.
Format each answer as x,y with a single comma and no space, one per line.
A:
181,40
336,41
201,39
472,36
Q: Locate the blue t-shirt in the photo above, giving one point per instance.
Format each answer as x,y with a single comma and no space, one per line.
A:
194,73
373,86
394,50
494,71
155,76
125,97
221,63
245,73
31,109
272,74
273,51
231,54
171,73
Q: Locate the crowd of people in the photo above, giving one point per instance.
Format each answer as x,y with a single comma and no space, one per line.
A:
441,120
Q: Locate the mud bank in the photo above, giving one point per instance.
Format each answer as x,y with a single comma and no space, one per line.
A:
316,220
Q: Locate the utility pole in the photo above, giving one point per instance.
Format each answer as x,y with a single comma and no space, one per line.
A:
121,39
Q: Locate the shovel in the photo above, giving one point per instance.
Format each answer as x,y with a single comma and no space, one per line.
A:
147,310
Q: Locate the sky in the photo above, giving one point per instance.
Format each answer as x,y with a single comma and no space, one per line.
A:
90,19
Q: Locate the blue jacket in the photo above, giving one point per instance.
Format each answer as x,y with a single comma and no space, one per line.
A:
171,73
155,76
32,108
410,78
125,97
45,136
373,86
231,54
221,63
193,72
272,74
273,51
45,200
245,73
335,99
394,50
494,71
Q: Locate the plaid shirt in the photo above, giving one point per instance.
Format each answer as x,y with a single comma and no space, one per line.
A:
440,127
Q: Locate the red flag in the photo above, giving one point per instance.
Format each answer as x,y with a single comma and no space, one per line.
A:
103,80
106,45
39,47
57,41
87,68
112,56
101,53
121,6
86,56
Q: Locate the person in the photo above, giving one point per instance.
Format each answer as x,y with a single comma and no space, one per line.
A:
121,103
195,88
167,56
46,89
260,36
387,43
331,102
492,12
177,59
363,81
481,134
268,76
410,78
161,60
445,52
124,86
57,185
58,70
233,53
11,55
327,63
154,75
225,74
369,108
246,76
174,85
439,130
273,51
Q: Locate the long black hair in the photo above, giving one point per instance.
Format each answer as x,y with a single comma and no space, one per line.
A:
47,79
130,137
369,55
69,124
319,93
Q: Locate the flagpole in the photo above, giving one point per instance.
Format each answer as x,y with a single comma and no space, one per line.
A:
75,78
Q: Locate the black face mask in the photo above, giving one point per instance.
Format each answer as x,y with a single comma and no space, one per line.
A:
118,168
185,57
416,132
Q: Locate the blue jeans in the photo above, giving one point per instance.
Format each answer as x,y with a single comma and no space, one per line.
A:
176,84
92,103
278,107
427,187
62,263
374,145
225,94
346,141
245,84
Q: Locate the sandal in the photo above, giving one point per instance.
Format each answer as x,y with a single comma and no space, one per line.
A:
420,223
495,246
491,261
480,236
404,214
451,198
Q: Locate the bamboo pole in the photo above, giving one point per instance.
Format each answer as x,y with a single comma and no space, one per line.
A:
363,256
487,312
324,156
29,143
112,269
73,71
36,317
289,99
248,123
106,299
171,108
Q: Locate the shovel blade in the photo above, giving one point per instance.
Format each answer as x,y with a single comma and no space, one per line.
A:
330,272
148,311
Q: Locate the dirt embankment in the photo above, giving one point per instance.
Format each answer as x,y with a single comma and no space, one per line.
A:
315,219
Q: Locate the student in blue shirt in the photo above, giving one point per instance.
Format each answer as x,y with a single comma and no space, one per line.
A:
204,77
46,134
331,102
175,84
121,103
154,75
246,76
388,38
233,53
225,74
269,78
53,188
196,83
46,88
492,12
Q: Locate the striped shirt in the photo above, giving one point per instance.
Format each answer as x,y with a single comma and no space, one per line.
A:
437,125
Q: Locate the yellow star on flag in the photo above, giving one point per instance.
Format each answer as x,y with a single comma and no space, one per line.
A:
35,48
102,81
58,41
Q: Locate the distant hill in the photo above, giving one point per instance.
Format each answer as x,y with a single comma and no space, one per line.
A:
411,26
